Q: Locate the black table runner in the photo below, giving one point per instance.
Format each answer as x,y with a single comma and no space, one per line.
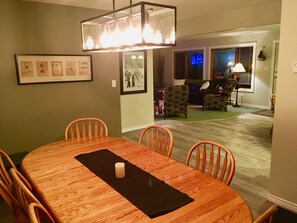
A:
149,194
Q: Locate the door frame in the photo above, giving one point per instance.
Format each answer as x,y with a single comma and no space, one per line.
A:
273,60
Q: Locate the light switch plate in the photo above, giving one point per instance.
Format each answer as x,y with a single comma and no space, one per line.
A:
113,83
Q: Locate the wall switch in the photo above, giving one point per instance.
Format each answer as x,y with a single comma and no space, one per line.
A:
113,83
295,67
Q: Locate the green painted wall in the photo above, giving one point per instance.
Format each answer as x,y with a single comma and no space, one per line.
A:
33,115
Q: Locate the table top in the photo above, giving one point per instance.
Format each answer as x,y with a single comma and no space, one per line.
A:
73,193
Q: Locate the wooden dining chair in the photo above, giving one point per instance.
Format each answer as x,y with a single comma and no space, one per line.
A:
38,214
4,175
267,216
18,213
84,128
158,139
22,189
213,159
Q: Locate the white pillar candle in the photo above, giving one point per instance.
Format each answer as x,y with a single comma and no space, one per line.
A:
119,170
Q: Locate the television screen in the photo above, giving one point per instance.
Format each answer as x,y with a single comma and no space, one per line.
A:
196,59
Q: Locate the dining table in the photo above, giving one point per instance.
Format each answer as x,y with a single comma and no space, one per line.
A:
71,192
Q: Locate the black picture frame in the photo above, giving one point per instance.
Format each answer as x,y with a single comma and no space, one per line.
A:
52,68
133,72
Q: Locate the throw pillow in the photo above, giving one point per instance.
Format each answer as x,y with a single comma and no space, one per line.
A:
204,86
179,81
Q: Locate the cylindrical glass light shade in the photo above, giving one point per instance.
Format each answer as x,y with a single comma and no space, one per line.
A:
139,26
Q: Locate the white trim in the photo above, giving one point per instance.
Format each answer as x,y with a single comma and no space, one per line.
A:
254,106
190,49
136,128
253,44
274,42
283,203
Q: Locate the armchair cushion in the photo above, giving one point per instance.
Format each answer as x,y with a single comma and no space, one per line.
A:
178,81
204,86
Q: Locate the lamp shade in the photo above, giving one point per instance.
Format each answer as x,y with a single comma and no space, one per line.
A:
239,68
140,26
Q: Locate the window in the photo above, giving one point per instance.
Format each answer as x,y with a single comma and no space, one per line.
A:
224,58
189,64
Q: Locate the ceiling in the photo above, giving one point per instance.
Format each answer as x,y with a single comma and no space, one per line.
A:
185,9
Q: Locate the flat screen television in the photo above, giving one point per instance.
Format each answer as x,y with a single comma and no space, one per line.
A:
196,59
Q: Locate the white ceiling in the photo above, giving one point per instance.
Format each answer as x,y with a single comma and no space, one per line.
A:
185,9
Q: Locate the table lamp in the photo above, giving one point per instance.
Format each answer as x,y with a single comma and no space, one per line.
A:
238,69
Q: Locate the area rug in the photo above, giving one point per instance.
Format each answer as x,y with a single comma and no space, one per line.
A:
265,112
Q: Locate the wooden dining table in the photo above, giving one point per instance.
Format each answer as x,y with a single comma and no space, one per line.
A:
73,193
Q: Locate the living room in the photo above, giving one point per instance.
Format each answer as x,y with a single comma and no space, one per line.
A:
262,39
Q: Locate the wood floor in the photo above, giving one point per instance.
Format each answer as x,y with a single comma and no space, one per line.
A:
247,136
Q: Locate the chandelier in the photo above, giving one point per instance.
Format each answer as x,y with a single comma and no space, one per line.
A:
139,26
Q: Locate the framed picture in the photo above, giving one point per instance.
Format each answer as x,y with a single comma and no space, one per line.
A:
133,77
39,68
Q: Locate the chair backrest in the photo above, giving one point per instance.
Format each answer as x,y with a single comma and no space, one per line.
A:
84,128
228,87
157,138
38,214
267,216
176,99
8,196
19,214
22,190
4,175
213,159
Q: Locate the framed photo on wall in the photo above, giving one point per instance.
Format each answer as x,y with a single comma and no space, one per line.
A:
133,76
40,68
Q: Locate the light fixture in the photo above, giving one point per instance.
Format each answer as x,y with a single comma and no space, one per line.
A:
238,69
139,26
261,55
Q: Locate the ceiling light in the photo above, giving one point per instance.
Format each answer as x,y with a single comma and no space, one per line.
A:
139,26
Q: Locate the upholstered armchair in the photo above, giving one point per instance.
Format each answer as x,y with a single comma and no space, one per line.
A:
219,99
176,100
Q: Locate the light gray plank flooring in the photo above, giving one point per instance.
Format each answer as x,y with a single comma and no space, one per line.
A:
247,136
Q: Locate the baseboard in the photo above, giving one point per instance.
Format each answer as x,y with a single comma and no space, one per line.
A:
254,106
136,128
282,203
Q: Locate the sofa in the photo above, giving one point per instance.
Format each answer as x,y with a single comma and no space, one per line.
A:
196,94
